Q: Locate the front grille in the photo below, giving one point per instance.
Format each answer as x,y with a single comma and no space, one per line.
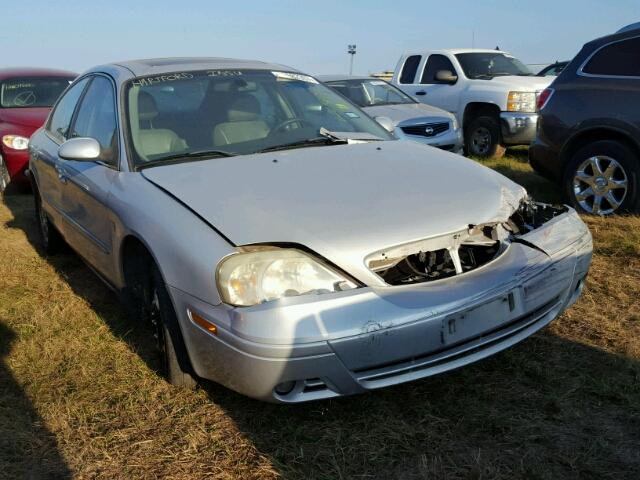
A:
426,129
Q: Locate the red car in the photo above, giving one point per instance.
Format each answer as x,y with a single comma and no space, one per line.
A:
26,97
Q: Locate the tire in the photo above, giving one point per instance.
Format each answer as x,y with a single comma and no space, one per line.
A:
52,241
602,179
5,179
483,138
175,363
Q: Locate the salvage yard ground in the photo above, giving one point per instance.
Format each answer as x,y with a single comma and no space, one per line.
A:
80,398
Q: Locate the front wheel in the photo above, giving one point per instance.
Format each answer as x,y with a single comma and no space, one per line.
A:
483,138
602,179
175,362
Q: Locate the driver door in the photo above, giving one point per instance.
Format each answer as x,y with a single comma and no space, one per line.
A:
431,91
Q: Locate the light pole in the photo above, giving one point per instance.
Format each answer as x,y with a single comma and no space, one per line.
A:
351,50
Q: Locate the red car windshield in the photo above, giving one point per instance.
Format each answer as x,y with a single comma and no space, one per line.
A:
30,92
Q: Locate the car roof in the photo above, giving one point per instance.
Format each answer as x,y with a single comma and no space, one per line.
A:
455,51
158,66
34,72
628,32
336,78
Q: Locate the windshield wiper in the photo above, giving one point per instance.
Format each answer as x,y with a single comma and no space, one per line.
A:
186,157
308,142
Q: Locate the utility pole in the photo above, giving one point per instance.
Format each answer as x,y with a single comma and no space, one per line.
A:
351,50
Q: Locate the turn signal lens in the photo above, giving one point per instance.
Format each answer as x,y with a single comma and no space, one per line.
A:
521,102
16,142
202,323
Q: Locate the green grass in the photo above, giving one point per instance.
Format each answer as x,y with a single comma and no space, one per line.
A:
80,397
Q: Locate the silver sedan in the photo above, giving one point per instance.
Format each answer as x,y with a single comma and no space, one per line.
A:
411,119
280,242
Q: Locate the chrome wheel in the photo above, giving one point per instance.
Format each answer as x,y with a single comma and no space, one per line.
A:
481,141
600,185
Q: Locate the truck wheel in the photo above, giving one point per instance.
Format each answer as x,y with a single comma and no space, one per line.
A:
52,241
175,361
482,138
602,178
4,176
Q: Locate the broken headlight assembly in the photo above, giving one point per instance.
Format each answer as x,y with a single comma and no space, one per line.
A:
260,274
462,252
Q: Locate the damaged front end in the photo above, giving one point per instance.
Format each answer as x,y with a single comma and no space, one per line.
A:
463,251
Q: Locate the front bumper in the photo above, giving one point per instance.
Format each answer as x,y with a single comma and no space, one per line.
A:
451,140
17,162
351,342
518,128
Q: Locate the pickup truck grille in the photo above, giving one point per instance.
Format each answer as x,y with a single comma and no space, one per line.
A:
426,129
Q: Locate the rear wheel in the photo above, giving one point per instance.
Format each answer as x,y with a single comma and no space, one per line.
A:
175,362
4,176
483,138
52,241
602,179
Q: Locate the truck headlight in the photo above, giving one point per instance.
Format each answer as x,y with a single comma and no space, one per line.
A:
521,102
268,273
16,142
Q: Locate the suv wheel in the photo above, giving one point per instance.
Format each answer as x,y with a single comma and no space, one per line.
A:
482,138
602,179
4,176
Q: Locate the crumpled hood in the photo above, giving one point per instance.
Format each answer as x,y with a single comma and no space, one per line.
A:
410,113
26,117
341,201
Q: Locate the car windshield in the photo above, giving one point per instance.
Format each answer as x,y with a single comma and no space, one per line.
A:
236,112
369,92
31,92
486,65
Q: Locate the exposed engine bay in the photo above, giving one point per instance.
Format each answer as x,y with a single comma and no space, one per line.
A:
460,252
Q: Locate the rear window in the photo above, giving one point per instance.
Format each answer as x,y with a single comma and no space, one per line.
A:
32,91
410,68
620,58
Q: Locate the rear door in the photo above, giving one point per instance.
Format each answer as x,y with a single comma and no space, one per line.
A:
84,198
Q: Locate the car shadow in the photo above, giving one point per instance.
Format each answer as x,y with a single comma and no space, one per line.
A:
27,448
550,407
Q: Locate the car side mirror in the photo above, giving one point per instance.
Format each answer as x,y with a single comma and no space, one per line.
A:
446,76
386,123
81,149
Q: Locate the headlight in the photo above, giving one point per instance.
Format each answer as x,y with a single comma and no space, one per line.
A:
454,123
251,277
16,142
521,102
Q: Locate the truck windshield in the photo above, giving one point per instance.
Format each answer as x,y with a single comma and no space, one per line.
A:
369,92
237,112
486,65
31,92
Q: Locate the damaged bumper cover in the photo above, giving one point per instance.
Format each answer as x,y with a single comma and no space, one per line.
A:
312,347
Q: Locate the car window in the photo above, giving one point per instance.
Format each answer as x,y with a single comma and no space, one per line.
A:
61,116
31,92
410,68
369,92
435,63
620,58
96,118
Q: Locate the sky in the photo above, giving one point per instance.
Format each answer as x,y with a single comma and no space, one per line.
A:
310,36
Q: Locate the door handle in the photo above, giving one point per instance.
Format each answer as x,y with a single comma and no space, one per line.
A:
62,175
421,92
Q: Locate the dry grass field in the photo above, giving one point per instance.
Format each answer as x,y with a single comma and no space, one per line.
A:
80,396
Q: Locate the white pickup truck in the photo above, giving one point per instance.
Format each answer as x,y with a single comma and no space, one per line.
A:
491,93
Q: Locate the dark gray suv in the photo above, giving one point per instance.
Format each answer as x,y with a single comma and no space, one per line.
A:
588,136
